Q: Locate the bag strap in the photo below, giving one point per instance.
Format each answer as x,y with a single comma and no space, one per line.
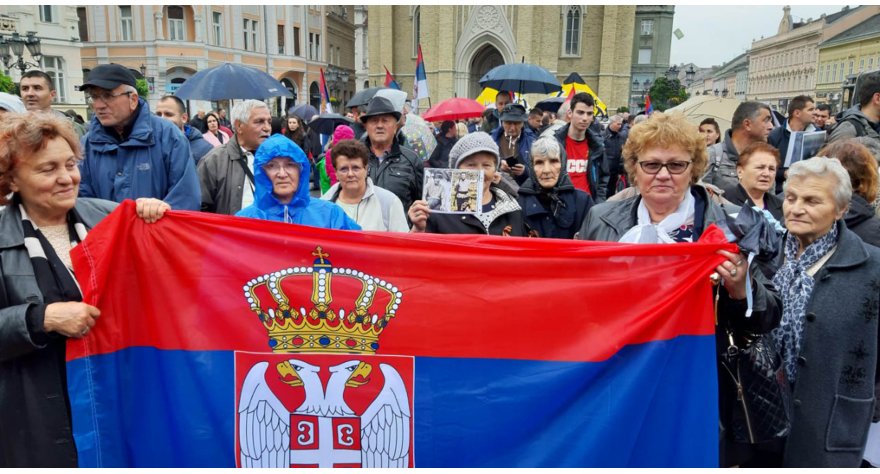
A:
247,171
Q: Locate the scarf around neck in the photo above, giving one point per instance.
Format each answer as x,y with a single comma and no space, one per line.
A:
55,280
795,286
646,232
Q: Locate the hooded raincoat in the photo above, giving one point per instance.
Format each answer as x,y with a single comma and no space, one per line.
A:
302,209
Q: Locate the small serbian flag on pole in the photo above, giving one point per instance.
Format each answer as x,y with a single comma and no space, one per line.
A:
389,80
328,107
420,82
648,108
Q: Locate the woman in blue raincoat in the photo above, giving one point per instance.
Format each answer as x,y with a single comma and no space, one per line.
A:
281,189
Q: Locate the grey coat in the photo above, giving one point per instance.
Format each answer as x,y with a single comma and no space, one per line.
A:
222,178
837,382
723,158
35,427
846,129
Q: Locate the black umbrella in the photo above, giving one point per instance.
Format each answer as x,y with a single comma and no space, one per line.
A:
523,78
551,105
305,111
231,81
326,124
363,97
574,78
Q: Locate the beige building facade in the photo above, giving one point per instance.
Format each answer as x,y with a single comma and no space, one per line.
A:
57,28
461,43
173,42
844,56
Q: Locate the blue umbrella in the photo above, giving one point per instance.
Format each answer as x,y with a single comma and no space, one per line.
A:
230,81
523,78
305,111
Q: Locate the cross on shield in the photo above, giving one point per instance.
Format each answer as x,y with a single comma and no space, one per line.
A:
319,441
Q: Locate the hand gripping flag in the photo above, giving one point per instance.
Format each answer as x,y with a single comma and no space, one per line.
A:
648,107
228,342
420,82
325,94
389,80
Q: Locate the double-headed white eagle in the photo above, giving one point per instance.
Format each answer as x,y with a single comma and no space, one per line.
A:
264,422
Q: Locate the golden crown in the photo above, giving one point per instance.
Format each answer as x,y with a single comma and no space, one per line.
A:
322,328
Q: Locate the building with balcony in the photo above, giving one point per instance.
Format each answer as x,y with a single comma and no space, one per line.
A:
731,80
173,42
56,27
340,72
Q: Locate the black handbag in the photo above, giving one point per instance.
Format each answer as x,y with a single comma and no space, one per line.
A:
762,411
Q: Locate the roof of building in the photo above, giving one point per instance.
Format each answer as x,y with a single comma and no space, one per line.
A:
866,29
734,64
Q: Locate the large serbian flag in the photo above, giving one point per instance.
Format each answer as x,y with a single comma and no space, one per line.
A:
235,342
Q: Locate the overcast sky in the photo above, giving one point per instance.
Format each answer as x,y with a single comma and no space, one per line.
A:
714,35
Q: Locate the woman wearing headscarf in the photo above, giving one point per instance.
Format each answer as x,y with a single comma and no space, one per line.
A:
830,286
552,206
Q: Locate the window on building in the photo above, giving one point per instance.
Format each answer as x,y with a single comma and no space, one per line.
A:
54,67
296,41
218,28
338,56
318,55
842,77
176,24
46,14
821,71
254,35
647,27
861,65
870,63
345,13
645,56
834,75
250,35
417,30
83,23
126,23
851,64
280,39
246,34
330,57
572,31
311,46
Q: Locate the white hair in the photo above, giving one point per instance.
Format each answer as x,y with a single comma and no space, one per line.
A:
242,110
615,118
821,167
128,89
563,109
547,146
639,119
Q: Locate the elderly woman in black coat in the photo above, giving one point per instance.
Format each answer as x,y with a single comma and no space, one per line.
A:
828,338
552,206
40,302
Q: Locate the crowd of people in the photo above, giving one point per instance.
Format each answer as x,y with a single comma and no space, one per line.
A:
657,179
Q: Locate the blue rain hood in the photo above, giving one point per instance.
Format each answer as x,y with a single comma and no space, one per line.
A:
302,209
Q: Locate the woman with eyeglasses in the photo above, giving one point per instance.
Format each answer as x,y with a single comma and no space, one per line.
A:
281,189
665,157
372,207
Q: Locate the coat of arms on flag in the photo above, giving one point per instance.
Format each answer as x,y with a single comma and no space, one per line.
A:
323,398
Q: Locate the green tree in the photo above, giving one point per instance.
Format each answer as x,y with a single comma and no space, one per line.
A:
6,84
143,88
665,94
623,110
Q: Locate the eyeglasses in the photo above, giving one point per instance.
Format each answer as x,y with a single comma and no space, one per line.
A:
273,167
353,169
674,167
105,98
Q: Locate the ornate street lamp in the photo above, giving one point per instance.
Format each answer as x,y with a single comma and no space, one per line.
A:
689,74
672,73
716,92
725,92
143,70
16,46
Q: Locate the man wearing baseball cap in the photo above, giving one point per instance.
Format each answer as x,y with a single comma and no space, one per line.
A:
514,140
130,153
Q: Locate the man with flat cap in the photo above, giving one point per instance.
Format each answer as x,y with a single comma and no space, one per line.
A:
130,153
514,140
392,166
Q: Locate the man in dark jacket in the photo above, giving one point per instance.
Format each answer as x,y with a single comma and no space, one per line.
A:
446,139
801,115
752,122
584,150
392,166
514,139
614,139
552,206
172,109
227,172
199,122
130,153
862,120
491,122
